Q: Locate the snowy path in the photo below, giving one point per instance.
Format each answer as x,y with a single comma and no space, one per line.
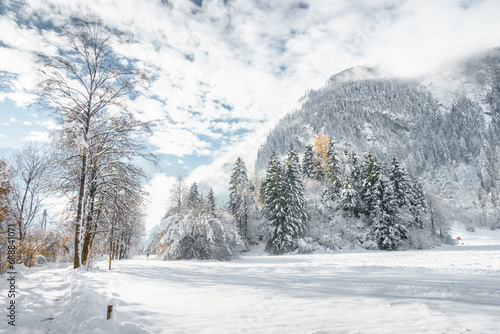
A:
448,290
38,297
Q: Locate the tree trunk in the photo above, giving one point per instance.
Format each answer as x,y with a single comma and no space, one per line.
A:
127,247
88,229
432,218
86,241
79,213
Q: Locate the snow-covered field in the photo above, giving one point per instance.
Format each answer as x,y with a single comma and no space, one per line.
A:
445,290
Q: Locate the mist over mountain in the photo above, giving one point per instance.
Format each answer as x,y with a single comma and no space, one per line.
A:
443,127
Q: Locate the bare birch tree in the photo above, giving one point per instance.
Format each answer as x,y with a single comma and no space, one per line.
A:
86,85
31,168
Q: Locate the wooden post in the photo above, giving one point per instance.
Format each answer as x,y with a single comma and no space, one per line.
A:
110,309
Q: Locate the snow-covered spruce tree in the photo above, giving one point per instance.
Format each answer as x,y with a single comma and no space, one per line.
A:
193,200
211,206
371,173
355,172
239,200
285,204
294,192
401,184
349,199
274,202
409,195
387,231
332,171
308,165
417,205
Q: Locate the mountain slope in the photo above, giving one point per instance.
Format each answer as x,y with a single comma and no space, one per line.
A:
444,128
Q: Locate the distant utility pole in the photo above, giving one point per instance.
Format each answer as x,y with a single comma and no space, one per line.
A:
44,219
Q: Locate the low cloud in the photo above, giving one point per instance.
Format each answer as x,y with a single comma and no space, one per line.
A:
157,189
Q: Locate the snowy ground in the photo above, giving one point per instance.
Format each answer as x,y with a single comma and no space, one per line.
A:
445,290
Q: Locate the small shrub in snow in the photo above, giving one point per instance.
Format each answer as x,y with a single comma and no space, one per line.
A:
40,259
449,240
332,242
418,239
470,228
304,246
370,245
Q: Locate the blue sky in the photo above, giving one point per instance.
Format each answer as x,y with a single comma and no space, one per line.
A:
225,71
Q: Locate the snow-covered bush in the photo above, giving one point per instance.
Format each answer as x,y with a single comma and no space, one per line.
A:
370,245
305,246
470,228
40,259
418,239
201,237
332,242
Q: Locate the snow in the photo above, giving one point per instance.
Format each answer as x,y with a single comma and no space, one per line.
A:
449,289
480,237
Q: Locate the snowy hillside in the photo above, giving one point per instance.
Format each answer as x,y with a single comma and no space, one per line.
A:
444,128
445,290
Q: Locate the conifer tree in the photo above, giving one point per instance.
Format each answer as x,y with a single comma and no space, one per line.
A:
274,203
211,206
408,194
370,176
285,203
294,192
349,198
308,165
400,184
386,228
417,205
355,171
193,199
239,197
332,171
271,187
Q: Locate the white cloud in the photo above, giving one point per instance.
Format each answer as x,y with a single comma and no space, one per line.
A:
49,124
38,136
21,99
178,141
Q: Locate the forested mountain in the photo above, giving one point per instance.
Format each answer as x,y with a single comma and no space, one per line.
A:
444,129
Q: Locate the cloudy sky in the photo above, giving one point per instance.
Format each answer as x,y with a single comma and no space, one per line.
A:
224,71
